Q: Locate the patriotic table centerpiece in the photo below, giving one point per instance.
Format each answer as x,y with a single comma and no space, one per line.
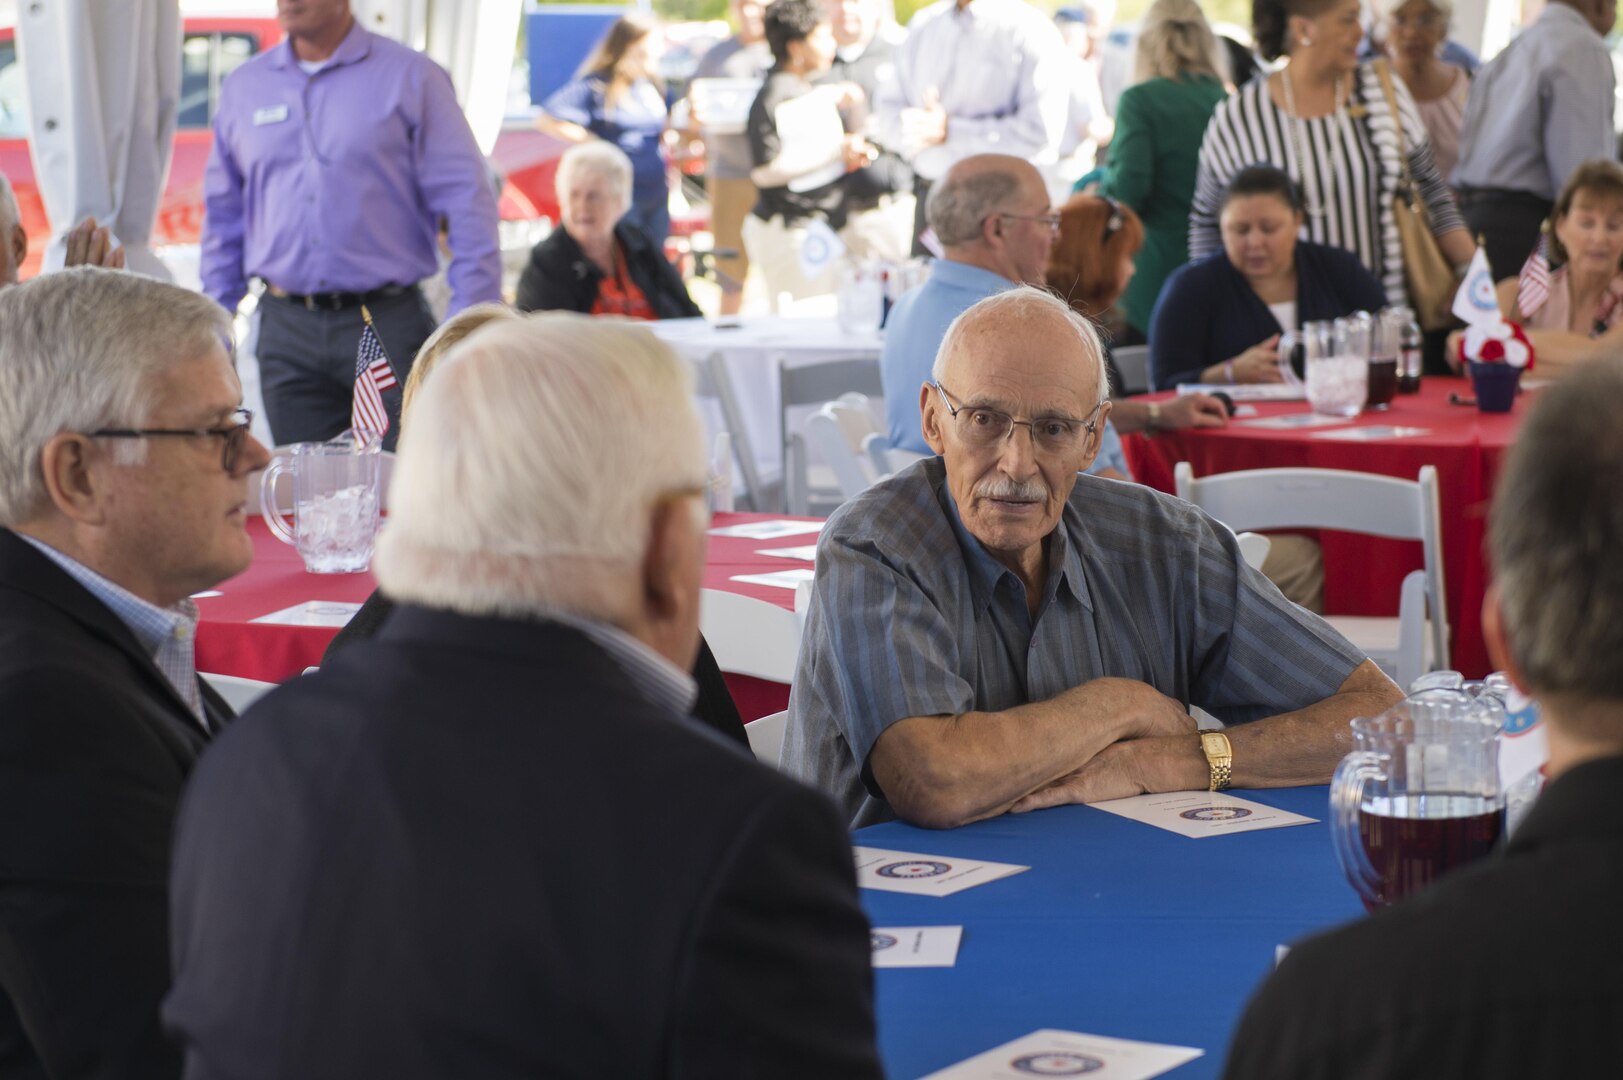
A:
1494,350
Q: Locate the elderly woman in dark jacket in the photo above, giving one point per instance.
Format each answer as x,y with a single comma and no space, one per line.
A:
594,262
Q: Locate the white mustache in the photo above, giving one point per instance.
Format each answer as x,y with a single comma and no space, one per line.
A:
1019,490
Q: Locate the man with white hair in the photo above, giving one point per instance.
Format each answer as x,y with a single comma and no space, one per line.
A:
124,457
484,842
1043,633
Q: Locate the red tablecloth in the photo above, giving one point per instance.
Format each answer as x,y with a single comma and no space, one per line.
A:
229,642
1363,574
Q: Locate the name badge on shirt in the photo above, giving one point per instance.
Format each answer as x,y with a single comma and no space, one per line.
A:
270,114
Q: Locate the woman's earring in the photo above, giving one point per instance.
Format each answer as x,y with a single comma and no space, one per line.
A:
1307,43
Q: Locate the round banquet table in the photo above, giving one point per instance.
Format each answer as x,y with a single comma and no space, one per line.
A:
1363,574
230,642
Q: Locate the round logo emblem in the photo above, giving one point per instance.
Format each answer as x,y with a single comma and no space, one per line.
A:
1056,1064
917,868
1216,813
878,941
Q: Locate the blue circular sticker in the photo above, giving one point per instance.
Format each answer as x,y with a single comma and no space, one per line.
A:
916,868
878,941
1056,1064
1216,813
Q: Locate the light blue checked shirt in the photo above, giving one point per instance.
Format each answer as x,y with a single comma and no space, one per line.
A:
911,616
169,635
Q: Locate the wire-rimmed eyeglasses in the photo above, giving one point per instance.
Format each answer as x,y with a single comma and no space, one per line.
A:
1050,219
981,427
233,435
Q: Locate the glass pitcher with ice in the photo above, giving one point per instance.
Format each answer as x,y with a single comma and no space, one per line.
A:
1337,366
335,501
1419,794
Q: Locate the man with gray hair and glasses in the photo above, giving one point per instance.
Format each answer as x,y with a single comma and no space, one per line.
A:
1512,967
374,879
992,216
990,631
124,458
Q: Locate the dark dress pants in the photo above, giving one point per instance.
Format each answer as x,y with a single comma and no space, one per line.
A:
1508,223
307,361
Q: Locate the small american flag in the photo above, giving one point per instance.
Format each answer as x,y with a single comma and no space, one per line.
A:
1533,285
373,375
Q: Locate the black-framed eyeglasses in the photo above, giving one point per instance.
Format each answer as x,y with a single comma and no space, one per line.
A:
233,435
1051,219
985,428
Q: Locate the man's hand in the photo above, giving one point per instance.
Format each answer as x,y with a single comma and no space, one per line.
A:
1109,775
857,152
926,125
91,245
1142,710
1259,363
1193,410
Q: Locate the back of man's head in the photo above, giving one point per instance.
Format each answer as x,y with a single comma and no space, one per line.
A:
973,190
533,462
9,213
1556,535
78,351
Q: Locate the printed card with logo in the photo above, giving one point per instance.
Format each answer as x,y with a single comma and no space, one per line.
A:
313,613
915,946
1292,421
769,530
925,875
1051,1052
1201,813
777,579
805,553
1372,434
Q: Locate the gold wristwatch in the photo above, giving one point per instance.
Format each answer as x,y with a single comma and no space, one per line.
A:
1219,758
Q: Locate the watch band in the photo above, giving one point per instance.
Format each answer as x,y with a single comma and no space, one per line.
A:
1154,422
1219,758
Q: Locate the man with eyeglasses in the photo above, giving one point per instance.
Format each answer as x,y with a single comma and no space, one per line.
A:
992,216
991,631
123,491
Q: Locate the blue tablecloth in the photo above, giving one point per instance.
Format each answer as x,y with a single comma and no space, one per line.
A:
1118,929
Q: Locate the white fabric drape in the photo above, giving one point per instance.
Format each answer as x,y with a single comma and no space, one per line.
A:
103,82
472,39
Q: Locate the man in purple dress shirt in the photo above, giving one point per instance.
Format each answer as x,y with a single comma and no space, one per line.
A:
336,155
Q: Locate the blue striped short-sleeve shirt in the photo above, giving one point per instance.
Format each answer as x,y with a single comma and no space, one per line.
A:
911,616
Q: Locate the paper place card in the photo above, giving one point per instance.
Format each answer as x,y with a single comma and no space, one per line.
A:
206,593
1201,813
778,579
313,613
924,875
769,530
1051,1052
1249,391
805,553
1372,434
1293,421
915,946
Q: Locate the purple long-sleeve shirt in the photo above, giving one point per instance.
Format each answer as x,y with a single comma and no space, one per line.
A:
334,181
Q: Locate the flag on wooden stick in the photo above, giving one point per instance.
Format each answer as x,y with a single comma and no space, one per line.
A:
373,375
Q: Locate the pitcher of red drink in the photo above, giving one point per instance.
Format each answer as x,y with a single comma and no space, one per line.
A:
1419,794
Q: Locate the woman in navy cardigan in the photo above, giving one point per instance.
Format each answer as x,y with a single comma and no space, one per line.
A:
1219,320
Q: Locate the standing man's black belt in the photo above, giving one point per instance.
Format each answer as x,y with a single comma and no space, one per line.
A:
336,301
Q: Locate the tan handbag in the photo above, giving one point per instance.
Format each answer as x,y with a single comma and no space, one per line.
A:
1426,270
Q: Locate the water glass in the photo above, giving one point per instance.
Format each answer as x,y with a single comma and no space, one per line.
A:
335,502
1337,377
861,298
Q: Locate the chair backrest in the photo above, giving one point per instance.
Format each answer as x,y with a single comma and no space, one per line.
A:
710,380
721,473
823,380
1333,499
750,636
766,737
239,693
837,431
1133,361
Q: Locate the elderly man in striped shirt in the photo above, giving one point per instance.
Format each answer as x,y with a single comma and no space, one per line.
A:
992,631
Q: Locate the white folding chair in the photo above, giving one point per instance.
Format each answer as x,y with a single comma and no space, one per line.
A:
813,384
1133,361
887,457
239,693
712,381
750,636
838,431
1254,548
766,737
1405,647
721,474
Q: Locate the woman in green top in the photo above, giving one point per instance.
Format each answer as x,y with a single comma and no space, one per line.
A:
1159,125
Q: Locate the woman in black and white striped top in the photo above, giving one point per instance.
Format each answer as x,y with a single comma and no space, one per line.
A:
1324,119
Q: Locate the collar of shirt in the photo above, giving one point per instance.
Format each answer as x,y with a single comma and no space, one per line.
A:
959,275
985,571
356,44
655,678
169,635
1565,13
